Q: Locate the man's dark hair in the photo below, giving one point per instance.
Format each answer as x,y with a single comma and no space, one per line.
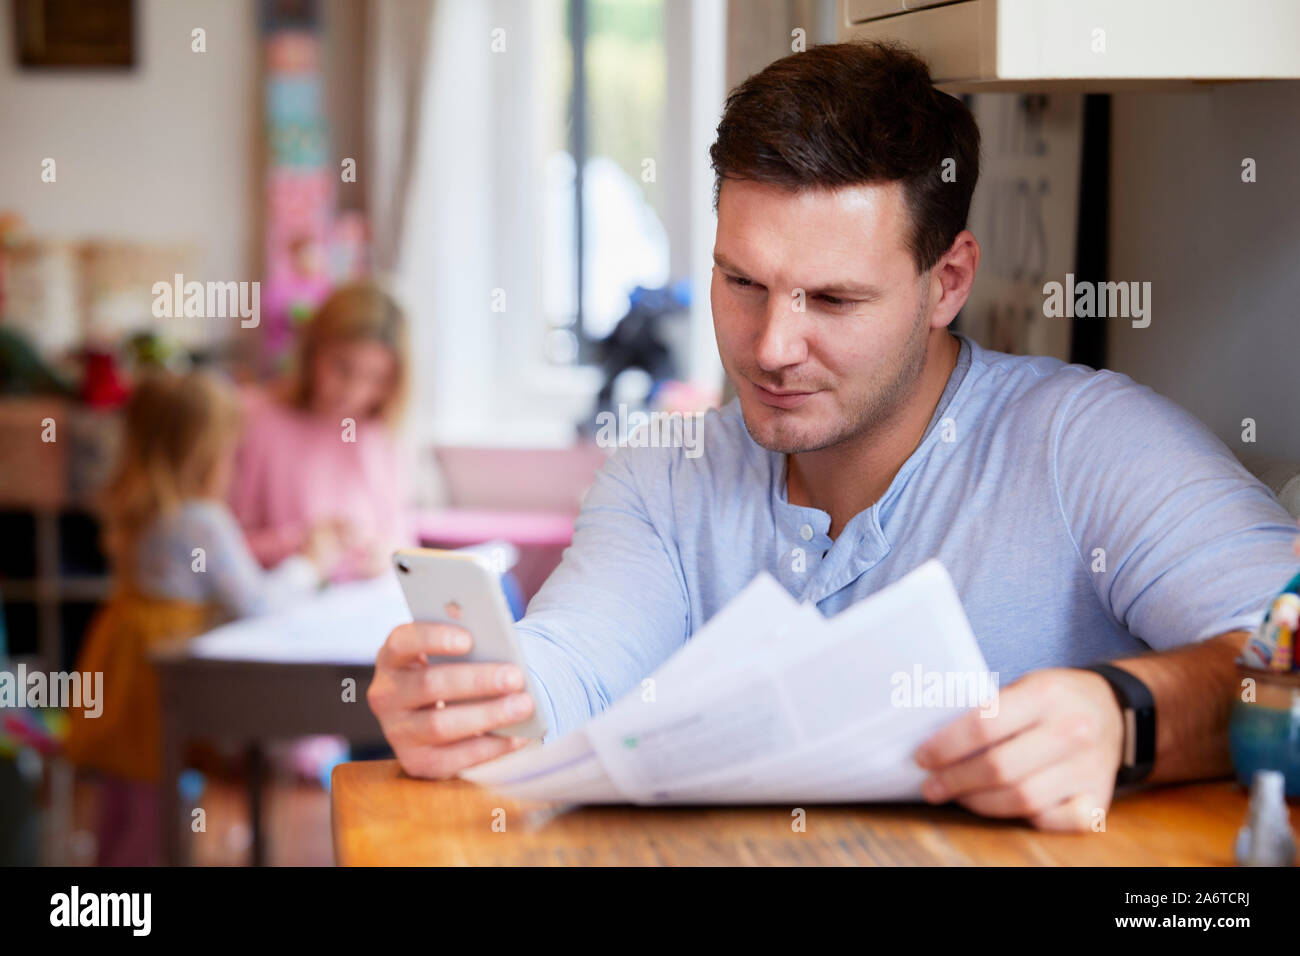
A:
848,114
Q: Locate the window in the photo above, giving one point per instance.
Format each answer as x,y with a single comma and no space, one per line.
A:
605,65
490,262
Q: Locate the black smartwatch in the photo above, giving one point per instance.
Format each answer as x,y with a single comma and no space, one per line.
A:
1138,708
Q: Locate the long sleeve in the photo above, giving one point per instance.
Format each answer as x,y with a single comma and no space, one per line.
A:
236,581
616,606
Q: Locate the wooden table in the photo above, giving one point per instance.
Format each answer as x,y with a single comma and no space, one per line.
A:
381,817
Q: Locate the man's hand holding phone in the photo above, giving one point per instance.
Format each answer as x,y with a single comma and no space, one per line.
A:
437,714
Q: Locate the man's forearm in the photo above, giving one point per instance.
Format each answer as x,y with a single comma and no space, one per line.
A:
1194,688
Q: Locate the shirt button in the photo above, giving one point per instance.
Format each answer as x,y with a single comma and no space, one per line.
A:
806,532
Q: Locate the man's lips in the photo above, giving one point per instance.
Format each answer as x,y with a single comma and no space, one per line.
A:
782,399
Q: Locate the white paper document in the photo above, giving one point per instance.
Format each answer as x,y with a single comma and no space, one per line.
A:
346,624
770,702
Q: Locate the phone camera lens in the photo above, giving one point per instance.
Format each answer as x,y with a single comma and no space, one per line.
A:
403,567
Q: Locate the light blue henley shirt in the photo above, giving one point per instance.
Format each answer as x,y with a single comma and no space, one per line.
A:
1082,517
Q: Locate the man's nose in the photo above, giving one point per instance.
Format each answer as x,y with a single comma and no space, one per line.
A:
781,342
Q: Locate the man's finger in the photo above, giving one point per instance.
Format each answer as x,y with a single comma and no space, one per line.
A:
1004,763
434,726
1037,793
422,687
1080,812
1020,706
411,643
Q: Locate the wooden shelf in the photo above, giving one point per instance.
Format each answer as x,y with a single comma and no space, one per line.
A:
49,590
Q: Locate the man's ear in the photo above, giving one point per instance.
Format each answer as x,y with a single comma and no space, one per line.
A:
952,277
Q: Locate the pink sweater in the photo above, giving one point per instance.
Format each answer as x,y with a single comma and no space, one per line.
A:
293,470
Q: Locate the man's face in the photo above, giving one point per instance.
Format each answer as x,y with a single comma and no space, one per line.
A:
814,378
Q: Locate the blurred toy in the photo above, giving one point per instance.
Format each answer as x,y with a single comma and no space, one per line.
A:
1266,839
1283,622
104,385
1273,645
149,350
40,728
637,342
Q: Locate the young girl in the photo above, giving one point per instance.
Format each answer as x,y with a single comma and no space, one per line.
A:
321,449
181,566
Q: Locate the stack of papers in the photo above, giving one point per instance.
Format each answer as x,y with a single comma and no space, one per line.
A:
771,702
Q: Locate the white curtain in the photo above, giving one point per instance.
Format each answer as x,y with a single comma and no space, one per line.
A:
454,198
398,34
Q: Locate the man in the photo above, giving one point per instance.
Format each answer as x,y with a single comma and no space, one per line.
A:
1082,517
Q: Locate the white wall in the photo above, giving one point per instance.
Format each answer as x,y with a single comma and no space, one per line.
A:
167,151
1223,256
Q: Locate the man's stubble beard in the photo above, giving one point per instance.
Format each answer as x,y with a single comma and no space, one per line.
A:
876,409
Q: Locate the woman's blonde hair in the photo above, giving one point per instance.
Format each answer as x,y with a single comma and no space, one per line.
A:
176,430
360,312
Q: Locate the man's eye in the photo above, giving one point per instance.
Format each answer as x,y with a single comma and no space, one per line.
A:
738,281
835,303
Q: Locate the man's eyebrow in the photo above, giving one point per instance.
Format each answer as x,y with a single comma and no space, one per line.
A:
724,263
835,289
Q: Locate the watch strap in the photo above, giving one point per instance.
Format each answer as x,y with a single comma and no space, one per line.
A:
1138,708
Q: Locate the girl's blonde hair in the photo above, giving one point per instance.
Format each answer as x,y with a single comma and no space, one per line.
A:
360,312
176,430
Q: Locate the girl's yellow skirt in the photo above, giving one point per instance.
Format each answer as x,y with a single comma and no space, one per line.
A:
125,740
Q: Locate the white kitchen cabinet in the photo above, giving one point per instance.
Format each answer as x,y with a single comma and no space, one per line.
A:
1086,44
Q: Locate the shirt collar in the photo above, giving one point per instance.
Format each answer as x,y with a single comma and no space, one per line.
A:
811,525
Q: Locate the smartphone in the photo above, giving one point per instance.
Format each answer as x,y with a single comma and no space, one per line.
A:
454,587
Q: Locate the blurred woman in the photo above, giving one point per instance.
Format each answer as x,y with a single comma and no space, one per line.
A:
322,448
